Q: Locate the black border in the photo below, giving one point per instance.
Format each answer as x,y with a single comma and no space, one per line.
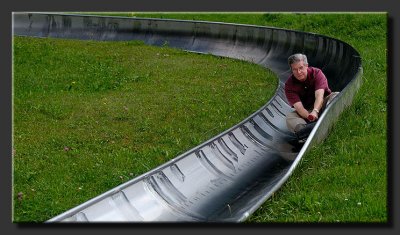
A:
201,6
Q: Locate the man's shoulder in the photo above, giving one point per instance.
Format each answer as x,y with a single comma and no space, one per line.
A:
291,84
290,81
314,69
316,73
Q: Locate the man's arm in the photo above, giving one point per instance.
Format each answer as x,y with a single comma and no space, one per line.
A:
301,110
319,99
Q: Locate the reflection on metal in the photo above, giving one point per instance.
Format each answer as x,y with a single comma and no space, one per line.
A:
229,176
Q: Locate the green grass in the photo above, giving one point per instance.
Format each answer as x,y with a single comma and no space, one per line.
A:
344,179
89,116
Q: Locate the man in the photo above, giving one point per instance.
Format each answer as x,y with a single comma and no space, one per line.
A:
307,91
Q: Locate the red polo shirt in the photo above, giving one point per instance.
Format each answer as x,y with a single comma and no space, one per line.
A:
305,91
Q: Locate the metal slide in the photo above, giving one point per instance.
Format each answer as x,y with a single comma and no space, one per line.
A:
229,176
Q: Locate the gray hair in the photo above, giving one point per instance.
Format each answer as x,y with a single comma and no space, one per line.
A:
297,58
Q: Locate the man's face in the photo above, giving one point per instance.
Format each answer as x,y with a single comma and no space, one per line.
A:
299,70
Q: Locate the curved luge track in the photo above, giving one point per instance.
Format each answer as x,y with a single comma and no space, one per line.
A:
229,176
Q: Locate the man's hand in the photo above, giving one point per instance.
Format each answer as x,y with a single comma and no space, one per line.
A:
313,116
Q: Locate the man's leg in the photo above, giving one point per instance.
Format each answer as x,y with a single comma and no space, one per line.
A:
299,126
294,122
304,132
